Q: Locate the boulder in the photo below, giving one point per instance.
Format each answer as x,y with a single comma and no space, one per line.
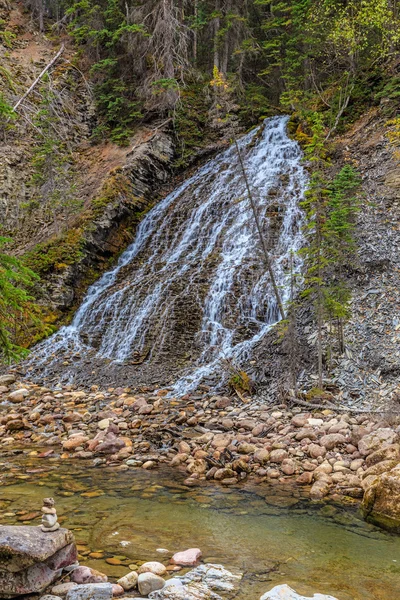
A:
284,592
31,560
91,591
381,502
24,546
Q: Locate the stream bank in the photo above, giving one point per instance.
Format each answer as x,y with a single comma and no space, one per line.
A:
211,438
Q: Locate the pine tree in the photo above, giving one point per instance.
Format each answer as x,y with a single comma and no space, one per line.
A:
17,308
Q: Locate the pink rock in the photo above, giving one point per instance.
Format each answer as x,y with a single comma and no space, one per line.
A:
88,575
187,558
117,590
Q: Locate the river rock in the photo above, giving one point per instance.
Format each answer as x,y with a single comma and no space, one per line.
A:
87,575
7,379
284,592
129,581
50,597
18,396
63,588
187,558
278,456
332,440
91,591
153,567
148,582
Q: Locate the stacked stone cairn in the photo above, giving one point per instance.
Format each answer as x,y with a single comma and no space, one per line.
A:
49,516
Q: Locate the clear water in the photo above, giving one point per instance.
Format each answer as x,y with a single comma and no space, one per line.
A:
272,535
198,251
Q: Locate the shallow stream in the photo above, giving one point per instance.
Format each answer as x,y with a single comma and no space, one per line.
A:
273,535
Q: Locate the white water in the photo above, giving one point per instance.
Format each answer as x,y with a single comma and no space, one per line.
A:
208,218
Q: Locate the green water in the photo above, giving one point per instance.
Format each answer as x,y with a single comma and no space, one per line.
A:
272,535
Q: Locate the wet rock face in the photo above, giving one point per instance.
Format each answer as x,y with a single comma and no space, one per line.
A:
30,560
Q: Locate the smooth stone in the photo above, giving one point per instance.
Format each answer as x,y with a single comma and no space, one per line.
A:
50,597
284,592
187,558
153,567
84,575
129,581
148,582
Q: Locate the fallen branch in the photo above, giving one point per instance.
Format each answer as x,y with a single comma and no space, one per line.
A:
34,84
344,409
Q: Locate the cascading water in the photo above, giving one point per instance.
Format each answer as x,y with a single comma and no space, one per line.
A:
192,289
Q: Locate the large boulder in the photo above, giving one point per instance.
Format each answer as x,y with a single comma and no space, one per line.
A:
381,502
31,560
284,592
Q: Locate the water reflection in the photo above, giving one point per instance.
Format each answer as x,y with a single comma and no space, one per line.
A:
274,535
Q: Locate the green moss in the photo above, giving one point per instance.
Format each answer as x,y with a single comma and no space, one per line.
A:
57,253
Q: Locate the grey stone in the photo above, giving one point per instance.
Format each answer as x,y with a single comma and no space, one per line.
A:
24,546
148,582
284,592
91,591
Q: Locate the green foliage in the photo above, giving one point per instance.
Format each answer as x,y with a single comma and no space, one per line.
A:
17,308
331,206
6,36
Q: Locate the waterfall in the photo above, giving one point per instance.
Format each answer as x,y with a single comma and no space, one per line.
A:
191,289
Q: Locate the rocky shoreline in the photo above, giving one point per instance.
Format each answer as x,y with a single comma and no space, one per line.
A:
341,456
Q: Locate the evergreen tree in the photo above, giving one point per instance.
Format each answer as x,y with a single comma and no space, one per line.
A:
17,308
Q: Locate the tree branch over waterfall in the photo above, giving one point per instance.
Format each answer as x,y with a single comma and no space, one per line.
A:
266,258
